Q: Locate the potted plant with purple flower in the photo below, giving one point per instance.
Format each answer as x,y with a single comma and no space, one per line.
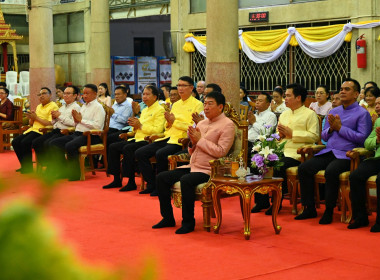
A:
267,152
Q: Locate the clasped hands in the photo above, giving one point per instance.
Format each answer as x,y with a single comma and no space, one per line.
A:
284,131
76,116
134,122
335,122
31,115
194,134
170,118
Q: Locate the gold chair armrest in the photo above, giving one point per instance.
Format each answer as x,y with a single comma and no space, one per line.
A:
308,151
93,132
155,137
68,131
215,163
184,141
127,135
46,129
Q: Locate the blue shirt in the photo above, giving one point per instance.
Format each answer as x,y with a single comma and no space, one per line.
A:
356,126
123,112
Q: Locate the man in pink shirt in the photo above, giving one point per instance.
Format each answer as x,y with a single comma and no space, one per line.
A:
211,139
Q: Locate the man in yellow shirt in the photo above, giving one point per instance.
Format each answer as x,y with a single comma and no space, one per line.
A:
40,118
177,122
298,126
151,121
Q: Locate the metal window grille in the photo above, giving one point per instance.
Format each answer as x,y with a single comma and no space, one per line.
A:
293,66
198,66
264,76
330,71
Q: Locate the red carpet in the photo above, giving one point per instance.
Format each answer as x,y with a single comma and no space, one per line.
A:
114,229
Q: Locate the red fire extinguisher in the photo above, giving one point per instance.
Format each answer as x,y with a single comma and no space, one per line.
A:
361,52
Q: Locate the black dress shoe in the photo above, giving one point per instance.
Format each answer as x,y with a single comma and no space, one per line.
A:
146,191
129,187
184,230
326,218
375,228
165,223
358,223
257,208
154,193
112,185
308,213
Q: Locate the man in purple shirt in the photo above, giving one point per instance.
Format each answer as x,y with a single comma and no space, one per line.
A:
347,127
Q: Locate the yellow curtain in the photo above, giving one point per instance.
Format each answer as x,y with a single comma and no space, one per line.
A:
265,41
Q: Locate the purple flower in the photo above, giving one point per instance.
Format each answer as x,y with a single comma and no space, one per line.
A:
275,135
259,160
272,157
267,126
270,139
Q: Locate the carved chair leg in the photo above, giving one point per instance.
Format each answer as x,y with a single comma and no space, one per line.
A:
91,160
81,164
206,216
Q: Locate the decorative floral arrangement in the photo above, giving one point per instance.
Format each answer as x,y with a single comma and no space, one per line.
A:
267,151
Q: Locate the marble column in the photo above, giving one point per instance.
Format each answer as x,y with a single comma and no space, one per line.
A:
222,64
41,49
100,43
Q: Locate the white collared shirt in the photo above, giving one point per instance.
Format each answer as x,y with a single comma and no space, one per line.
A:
93,116
266,117
65,119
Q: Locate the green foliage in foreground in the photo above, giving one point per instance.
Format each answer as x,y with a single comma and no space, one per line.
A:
29,249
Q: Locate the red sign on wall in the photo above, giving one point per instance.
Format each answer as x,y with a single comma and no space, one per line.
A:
259,17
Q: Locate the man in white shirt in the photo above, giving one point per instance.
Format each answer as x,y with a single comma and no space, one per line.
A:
90,116
61,119
263,116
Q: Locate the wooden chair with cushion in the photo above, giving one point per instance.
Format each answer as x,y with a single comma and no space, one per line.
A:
356,155
292,173
204,191
14,127
98,149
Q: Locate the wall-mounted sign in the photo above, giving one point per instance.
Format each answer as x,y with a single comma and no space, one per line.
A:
259,17
67,1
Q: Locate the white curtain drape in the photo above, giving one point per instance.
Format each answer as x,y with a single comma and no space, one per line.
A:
313,49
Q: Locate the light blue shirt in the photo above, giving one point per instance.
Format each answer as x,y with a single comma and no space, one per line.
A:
123,112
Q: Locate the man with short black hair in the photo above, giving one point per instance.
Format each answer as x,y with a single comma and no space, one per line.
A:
211,139
90,116
40,118
346,128
264,116
61,119
297,127
177,122
150,122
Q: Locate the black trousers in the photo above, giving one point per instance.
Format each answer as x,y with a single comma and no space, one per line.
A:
22,145
71,144
159,149
189,181
113,136
41,144
333,167
127,149
358,179
263,199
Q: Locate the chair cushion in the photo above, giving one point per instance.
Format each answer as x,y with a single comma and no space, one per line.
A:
292,171
177,187
342,176
97,147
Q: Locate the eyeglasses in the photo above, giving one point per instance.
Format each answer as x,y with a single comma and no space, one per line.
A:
178,86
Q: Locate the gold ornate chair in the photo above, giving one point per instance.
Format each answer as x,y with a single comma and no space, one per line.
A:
98,149
204,191
14,126
244,112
